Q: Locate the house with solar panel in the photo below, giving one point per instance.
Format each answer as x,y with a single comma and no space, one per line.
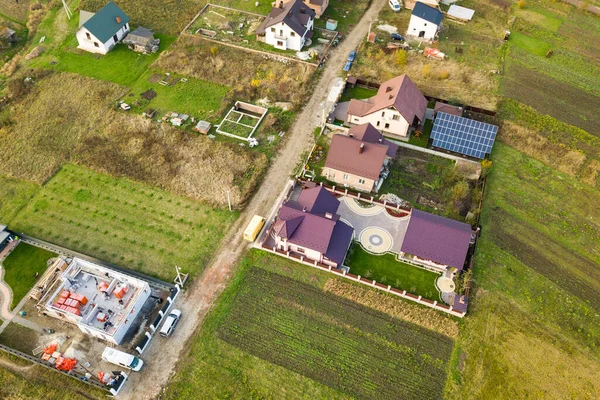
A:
425,22
464,136
100,32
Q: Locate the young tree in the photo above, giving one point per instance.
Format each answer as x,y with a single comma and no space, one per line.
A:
401,57
521,4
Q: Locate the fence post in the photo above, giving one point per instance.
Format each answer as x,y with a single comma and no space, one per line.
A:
435,303
358,197
385,203
373,282
333,189
389,288
330,267
346,192
344,272
419,298
372,199
359,278
404,293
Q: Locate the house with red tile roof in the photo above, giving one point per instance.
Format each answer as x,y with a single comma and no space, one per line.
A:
436,242
398,105
310,227
359,160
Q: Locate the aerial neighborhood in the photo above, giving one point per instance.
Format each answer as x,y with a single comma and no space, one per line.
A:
370,199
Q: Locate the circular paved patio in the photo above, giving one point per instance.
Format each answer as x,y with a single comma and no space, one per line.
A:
376,240
445,284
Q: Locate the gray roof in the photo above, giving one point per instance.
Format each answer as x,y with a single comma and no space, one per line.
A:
442,240
4,235
428,13
103,25
294,14
140,35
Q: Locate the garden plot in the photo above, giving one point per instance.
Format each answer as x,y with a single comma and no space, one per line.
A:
241,121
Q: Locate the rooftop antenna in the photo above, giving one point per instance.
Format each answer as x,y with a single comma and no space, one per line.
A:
67,9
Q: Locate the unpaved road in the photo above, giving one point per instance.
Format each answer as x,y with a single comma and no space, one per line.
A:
162,355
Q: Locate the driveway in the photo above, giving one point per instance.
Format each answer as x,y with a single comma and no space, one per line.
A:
377,231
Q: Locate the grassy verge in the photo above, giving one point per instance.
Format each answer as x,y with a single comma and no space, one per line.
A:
387,270
14,195
21,267
313,349
124,222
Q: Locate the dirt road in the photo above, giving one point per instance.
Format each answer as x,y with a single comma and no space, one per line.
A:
163,354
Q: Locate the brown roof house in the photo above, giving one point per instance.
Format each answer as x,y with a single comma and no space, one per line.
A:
310,228
318,6
447,108
396,107
288,26
436,242
360,159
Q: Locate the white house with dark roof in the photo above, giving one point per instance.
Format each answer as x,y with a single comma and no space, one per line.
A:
288,25
100,32
425,22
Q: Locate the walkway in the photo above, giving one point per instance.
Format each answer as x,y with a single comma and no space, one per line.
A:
5,299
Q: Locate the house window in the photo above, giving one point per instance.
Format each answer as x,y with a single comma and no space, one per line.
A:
96,44
300,250
383,114
346,176
293,34
425,24
378,123
361,181
396,117
87,34
387,126
273,30
281,32
355,119
280,43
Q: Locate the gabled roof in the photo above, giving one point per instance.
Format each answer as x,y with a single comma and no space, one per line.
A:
340,242
285,229
140,35
368,133
345,155
103,25
442,240
427,13
399,92
294,14
318,200
448,109
314,232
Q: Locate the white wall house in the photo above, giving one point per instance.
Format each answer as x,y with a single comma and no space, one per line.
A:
288,26
100,32
425,22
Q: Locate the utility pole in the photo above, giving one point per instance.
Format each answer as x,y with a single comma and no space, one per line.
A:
67,9
228,200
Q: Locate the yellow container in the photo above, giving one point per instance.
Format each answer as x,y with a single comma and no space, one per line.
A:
254,228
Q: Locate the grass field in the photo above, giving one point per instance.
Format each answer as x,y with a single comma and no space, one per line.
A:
346,13
387,270
21,267
14,10
533,325
315,347
14,195
358,93
124,222
431,183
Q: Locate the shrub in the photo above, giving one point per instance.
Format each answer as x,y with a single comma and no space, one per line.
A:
443,74
214,50
401,58
426,71
521,4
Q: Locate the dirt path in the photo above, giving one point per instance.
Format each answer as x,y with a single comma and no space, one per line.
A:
5,298
163,354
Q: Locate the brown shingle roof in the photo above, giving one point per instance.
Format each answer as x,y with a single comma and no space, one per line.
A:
345,155
368,133
400,93
448,109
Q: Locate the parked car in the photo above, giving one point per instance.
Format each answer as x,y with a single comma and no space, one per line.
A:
348,66
397,36
352,56
394,5
170,323
122,359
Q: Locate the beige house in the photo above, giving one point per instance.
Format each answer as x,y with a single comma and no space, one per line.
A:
396,107
359,160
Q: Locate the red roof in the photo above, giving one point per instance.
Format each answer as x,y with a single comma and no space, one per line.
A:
400,93
368,133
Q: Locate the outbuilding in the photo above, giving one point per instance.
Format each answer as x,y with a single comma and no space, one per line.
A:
100,32
425,22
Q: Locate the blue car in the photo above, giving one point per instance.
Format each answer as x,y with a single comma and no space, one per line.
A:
352,56
397,36
348,66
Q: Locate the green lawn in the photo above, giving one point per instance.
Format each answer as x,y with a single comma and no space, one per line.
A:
198,98
21,266
276,333
530,44
346,13
120,65
424,137
358,93
128,223
386,269
14,195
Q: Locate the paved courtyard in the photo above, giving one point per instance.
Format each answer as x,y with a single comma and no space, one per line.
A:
376,230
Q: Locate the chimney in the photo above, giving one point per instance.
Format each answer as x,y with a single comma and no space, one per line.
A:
361,148
329,215
304,209
118,19
280,3
303,10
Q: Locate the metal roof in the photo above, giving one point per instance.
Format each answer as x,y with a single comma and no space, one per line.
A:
463,135
427,13
461,13
103,25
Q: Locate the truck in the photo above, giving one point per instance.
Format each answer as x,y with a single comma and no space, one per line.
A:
122,359
254,228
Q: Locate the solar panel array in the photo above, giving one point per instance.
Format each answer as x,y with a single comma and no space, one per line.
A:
463,135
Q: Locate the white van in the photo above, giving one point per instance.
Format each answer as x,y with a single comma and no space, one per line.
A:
170,323
122,359
394,5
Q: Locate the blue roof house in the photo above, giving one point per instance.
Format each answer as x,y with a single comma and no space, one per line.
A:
100,32
425,22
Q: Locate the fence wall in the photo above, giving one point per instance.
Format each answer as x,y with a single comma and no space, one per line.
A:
368,282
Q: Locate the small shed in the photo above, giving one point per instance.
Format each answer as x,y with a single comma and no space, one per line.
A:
331,24
142,40
202,127
460,13
447,108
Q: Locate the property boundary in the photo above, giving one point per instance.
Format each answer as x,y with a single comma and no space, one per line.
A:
43,363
